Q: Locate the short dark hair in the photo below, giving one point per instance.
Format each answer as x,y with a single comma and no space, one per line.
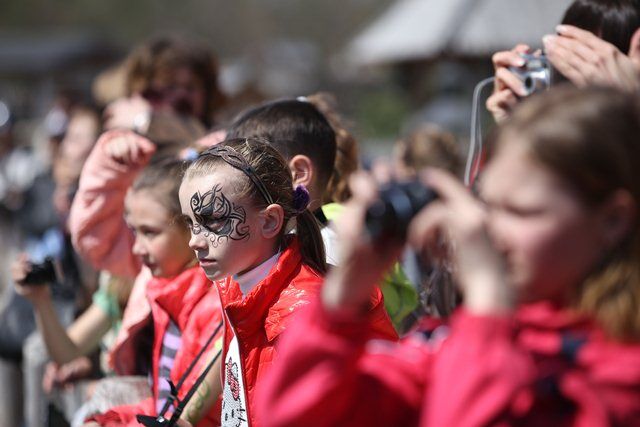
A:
293,127
613,21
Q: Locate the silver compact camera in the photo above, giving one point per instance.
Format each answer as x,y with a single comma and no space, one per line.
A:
536,73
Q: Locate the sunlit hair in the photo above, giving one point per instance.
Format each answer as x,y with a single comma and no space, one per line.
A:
589,138
346,161
162,180
272,170
429,146
167,54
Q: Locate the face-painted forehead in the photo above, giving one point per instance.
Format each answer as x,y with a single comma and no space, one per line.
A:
229,180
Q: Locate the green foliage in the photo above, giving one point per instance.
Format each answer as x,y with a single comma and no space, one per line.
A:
380,113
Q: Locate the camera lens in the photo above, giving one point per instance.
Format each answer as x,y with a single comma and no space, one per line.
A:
397,204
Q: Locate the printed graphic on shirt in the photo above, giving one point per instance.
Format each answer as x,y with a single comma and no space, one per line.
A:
234,412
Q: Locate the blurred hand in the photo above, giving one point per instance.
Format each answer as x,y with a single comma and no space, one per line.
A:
507,87
585,59
35,293
64,375
128,113
184,423
128,148
459,218
363,262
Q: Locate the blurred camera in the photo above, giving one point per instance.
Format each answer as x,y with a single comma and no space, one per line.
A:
149,421
536,74
397,204
42,273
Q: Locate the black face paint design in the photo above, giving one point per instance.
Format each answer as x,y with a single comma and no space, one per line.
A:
220,219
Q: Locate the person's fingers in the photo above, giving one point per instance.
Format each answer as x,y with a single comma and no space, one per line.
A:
501,103
447,186
577,51
507,58
363,187
521,49
584,36
567,63
427,227
505,79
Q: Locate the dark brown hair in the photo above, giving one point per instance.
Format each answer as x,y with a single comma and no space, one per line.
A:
272,170
293,127
613,21
165,54
589,138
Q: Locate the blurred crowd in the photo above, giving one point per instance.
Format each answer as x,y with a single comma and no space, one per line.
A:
173,256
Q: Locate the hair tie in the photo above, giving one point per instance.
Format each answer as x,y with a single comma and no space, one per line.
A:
301,199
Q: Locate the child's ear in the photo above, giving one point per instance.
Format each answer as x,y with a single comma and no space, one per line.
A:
618,216
634,46
273,221
302,170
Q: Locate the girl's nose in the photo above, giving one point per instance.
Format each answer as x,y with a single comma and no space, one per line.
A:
198,241
139,248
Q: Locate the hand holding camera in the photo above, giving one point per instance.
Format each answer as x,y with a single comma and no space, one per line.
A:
508,87
454,216
31,280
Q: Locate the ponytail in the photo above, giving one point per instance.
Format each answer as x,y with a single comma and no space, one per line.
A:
311,244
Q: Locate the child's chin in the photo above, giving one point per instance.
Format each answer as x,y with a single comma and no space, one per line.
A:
213,276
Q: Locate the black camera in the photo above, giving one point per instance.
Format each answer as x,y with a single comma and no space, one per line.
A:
536,74
397,204
42,273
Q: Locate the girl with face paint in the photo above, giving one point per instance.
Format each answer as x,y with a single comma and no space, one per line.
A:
238,201
127,218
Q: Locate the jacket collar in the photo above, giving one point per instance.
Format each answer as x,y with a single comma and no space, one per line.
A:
248,313
178,295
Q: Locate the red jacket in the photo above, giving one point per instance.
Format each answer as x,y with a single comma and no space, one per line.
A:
266,311
190,300
543,366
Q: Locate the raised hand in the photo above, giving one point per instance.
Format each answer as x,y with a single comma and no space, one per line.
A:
507,87
128,148
585,59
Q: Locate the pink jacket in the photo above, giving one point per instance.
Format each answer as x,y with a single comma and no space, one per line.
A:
101,236
542,366
98,230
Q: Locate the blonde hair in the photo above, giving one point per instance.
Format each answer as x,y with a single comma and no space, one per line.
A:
589,138
429,146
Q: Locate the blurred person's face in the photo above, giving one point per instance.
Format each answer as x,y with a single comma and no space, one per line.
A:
225,228
161,241
80,136
547,235
179,89
75,147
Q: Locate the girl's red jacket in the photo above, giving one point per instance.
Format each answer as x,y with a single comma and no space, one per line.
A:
259,318
541,366
192,302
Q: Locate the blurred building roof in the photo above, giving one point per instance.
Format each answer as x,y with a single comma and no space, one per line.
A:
422,29
51,53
